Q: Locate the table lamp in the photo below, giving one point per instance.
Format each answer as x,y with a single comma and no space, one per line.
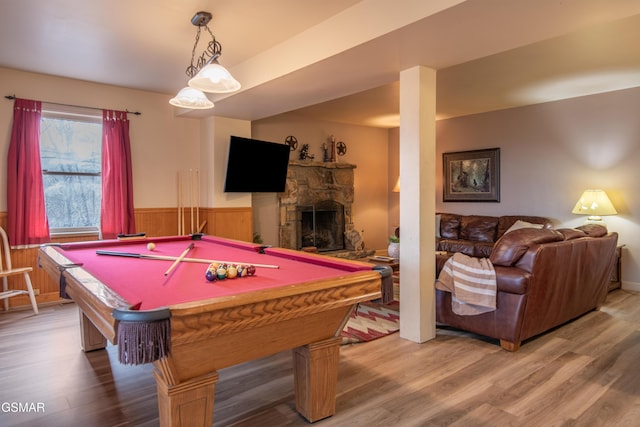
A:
594,203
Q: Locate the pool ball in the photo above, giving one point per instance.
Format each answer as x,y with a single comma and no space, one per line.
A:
221,272
232,272
151,246
242,270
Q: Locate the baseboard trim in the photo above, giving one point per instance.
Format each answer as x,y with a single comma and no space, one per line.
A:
631,286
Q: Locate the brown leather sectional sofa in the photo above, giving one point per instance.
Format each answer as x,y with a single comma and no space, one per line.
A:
545,278
475,235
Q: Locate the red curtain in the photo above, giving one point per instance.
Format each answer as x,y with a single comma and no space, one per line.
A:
116,211
26,214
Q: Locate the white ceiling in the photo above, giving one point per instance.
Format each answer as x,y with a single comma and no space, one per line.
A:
337,59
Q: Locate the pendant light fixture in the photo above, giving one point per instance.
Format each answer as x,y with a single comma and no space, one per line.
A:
205,73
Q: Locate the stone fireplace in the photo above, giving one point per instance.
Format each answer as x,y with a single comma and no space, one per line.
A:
315,208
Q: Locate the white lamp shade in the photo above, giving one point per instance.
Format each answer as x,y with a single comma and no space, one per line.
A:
594,203
214,78
191,98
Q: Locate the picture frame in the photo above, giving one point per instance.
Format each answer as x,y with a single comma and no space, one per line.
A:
471,176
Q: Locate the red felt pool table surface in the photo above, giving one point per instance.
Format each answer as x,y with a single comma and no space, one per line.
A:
142,281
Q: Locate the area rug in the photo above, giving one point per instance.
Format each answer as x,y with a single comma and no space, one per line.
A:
370,321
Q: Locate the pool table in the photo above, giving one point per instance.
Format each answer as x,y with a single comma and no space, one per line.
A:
295,300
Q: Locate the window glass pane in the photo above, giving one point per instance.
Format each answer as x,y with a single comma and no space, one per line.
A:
72,201
70,146
70,152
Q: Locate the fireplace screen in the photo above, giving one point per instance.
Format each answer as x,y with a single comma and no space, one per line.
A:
321,226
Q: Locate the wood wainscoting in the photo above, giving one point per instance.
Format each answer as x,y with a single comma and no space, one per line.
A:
233,223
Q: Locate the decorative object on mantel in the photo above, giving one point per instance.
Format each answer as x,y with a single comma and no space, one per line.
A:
341,148
304,153
326,156
292,141
332,153
394,247
336,147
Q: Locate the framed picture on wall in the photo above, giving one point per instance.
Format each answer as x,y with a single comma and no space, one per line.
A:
471,176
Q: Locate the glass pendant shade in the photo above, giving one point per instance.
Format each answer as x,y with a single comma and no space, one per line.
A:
214,78
191,98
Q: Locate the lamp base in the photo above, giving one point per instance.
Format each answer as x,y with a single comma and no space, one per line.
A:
595,220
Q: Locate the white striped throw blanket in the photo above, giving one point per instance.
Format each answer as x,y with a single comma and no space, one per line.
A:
471,282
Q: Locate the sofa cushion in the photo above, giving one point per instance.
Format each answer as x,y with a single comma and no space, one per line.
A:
593,230
571,233
478,228
449,226
511,246
456,245
523,224
482,249
506,221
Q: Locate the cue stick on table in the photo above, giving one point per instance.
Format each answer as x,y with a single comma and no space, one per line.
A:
173,258
180,258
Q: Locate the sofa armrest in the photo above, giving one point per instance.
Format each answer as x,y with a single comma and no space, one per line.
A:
513,280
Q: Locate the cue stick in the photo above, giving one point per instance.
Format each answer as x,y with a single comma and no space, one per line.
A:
180,213
191,198
179,185
197,198
182,205
180,258
173,258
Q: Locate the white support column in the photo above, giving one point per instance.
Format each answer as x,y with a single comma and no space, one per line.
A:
417,203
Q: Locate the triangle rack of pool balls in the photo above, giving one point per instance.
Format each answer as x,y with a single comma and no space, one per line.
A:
221,271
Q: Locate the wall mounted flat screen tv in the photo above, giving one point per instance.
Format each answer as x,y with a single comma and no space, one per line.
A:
256,166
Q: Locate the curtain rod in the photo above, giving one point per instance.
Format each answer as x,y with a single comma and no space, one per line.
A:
137,113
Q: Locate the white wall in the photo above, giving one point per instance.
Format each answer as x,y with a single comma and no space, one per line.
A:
161,144
552,152
214,150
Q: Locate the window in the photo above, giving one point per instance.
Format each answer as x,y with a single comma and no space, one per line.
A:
70,152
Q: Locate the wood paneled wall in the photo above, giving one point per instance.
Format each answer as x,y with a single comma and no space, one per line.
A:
232,223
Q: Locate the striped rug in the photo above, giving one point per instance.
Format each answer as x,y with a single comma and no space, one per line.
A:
371,321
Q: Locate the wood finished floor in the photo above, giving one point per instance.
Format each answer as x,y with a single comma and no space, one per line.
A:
585,373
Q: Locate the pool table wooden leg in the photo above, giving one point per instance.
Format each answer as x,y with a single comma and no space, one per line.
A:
315,374
189,403
90,337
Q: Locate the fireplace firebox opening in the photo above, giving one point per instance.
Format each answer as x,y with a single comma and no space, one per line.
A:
321,226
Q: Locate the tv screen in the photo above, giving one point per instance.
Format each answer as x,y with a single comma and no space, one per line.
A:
256,166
